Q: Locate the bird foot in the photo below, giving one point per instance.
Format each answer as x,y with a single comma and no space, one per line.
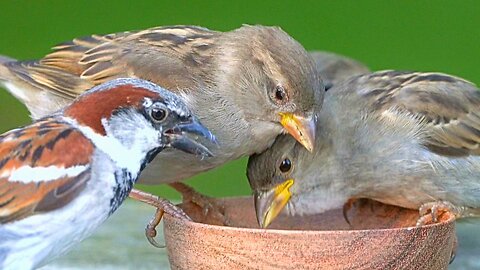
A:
210,208
453,255
430,212
346,207
163,206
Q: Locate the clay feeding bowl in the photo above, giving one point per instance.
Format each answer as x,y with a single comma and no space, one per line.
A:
379,237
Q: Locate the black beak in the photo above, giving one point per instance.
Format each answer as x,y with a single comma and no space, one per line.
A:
185,137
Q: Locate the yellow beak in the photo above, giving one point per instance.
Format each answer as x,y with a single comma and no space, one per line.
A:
270,203
302,129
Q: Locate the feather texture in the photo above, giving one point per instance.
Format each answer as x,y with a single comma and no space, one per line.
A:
55,160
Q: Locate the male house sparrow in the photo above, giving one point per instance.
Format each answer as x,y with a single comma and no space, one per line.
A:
247,85
62,176
402,138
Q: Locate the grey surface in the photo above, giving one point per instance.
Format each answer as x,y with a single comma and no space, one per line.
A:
468,254
121,244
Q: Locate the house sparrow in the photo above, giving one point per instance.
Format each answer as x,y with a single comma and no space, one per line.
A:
247,86
402,138
334,68
65,174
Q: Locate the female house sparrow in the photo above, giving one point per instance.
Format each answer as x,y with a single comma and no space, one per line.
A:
247,85
334,68
62,176
401,138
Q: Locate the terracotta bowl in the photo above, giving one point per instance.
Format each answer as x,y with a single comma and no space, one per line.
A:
379,237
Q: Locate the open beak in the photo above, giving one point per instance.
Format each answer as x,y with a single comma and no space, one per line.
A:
301,128
270,203
185,137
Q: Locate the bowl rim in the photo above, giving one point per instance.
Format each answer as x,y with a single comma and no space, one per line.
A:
193,224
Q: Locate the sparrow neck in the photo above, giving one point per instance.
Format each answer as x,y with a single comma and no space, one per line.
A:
333,167
124,158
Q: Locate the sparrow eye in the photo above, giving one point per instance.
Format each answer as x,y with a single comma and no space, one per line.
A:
280,93
285,166
158,114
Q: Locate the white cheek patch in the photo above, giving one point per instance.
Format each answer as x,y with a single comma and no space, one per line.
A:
123,157
27,174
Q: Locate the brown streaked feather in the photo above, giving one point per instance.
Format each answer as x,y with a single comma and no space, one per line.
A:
63,193
43,144
67,56
450,106
23,200
49,78
168,56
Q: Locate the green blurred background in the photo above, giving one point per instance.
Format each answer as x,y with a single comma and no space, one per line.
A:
413,35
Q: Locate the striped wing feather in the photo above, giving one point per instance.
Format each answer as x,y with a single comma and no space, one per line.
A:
450,106
46,143
168,56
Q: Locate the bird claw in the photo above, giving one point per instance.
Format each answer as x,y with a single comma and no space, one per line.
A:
207,204
430,212
150,229
346,207
163,206
453,253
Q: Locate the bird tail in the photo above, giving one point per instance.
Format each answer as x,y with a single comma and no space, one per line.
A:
5,59
4,72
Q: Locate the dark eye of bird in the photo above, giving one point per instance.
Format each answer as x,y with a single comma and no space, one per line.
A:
158,114
286,165
280,93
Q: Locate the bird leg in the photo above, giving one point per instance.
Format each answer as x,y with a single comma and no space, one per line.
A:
207,204
163,206
433,210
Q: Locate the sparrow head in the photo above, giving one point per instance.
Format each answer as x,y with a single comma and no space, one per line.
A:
277,80
142,116
273,178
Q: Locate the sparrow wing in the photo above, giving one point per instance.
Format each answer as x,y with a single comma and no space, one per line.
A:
448,105
168,56
334,68
42,168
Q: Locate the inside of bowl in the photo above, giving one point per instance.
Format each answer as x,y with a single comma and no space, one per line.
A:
364,214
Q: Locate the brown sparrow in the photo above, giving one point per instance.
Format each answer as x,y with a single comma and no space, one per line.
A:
402,138
65,174
247,86
334,68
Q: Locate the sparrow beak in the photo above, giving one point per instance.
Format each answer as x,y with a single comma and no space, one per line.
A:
270,203
185,136
301,128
